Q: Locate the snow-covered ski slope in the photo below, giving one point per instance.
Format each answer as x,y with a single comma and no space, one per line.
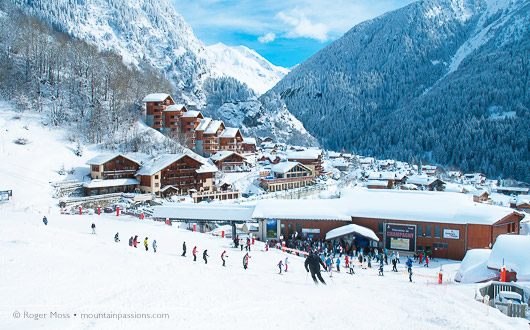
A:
63,268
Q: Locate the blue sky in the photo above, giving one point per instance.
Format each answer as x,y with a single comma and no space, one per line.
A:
286,32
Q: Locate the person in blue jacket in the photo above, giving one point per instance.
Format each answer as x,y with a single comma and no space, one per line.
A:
409,268
338,265
45,220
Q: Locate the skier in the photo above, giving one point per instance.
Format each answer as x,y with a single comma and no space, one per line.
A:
93,228
369,262
409,268
245,260
394,262
312,263
351,268
286,262
280,264
223,255
267,245
117,237
338,265
146,244
204,256
135,241
194,252
130,241
397,257
381,261
154,245
45,220
184,249
426,261
421,258
248,244
241,244
347,261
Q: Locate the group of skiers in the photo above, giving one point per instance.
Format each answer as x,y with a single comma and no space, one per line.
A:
133,242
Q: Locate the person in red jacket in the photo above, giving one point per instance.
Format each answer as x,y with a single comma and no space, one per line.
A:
135,240
347,261
223,255
421,257
426,261
194,253
245,261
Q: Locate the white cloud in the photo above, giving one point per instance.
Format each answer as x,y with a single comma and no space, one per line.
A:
302,27
269,37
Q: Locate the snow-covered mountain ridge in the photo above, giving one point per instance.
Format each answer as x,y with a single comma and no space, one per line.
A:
246,65
150,33
428,81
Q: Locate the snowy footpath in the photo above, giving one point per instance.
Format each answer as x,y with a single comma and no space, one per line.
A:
61,276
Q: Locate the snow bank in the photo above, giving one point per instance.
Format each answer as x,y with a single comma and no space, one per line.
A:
474,269
514,252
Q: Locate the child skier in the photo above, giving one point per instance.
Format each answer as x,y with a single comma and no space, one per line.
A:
135,241
280,264
154,245
338,265
117,237
426,261
381,261
351,268
286,262
245,260
146,244
131,241
347,261
204,256
194,252
93,228
409,268
45,220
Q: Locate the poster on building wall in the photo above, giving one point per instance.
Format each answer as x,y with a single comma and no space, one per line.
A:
272,229
310,233
452,233
400,237
6,195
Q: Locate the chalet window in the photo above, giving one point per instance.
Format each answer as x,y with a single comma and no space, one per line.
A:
156,184
380,230
437,231
419,230
156,177
418,248
428,231
299,228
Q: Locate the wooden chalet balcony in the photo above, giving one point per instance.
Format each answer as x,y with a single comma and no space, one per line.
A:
217,193
114,172
287,180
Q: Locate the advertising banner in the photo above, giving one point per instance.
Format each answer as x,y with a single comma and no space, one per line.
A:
400,237
452,233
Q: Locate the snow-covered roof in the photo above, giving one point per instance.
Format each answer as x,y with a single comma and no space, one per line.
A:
204,123
382,176
333,154
158,164
110,183
156,97
286,166
213,127
376,183
422,180
522,199
168,187
191,114
249,141
513,189
210,212
301,209
351,229
305,154
474,269
207,168
229,132
102,159
174,107
513,252
442,207
220,155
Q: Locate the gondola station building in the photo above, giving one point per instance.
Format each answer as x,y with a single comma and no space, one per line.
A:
448,224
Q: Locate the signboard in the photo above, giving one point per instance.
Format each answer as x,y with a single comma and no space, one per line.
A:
400,237
310,231
6,195
272,229
452,233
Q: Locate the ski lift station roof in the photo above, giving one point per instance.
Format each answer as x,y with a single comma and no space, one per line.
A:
205,212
